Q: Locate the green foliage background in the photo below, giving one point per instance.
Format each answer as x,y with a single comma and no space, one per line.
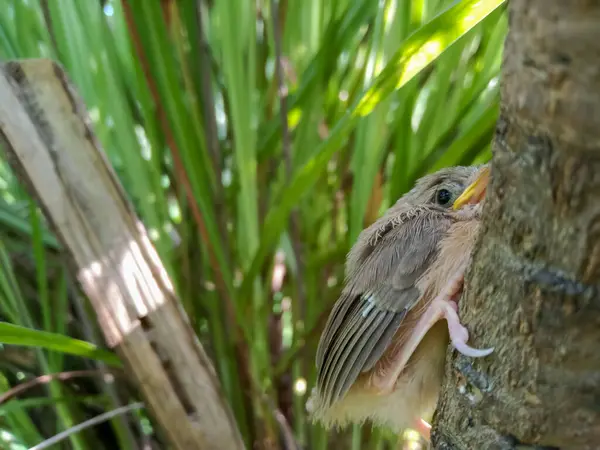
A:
184,97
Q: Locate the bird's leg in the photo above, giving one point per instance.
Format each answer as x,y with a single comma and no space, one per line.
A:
423,428
443,306
447,308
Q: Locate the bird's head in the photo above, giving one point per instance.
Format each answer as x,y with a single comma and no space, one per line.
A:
454,191
451,188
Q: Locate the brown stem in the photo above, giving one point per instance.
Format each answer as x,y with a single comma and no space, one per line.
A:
285,364
49,25
285,392
47,378
208,104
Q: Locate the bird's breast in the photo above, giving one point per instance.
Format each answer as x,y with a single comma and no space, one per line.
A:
454,252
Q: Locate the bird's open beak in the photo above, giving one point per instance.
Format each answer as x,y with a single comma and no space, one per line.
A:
475,192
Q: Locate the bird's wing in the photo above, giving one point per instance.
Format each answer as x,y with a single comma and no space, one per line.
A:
381,289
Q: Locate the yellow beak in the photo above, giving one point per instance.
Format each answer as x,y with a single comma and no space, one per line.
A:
475,192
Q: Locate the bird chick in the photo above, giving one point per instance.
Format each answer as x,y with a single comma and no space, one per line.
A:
381,354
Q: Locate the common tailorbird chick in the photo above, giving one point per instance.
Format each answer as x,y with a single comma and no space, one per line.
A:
381,354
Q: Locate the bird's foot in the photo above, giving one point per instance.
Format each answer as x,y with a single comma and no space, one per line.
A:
444,306
459,335
423,428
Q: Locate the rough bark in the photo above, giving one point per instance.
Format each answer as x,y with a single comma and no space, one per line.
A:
53,150
533,287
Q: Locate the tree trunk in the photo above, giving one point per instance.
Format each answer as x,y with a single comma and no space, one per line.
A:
532,290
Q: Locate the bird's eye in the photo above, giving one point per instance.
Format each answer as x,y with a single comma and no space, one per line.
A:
444,196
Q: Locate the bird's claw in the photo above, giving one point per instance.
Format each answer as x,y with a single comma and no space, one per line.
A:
459,335
423,428
467,350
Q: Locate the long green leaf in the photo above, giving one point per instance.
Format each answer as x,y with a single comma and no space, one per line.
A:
17,335
416,53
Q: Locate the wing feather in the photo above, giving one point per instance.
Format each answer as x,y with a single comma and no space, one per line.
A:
383,270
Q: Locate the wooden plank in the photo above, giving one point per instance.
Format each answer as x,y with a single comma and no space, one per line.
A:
51,146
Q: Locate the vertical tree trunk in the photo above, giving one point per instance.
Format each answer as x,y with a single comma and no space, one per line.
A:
533,287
